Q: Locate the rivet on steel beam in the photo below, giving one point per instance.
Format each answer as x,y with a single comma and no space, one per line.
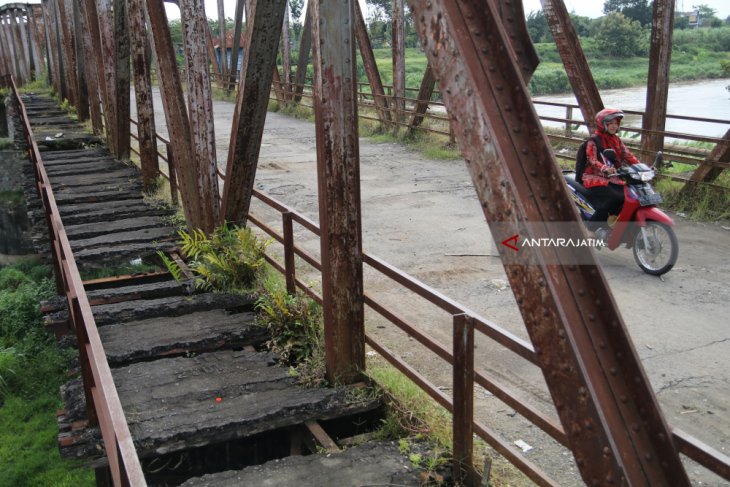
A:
543,196
623,398
665,464
602,345
609,479
614,371
606,452
635,426
598,302
588,425
592,317
583,391
525,150
649,457
581,292
508,108
477,33
619,355
492,69
545,313
593,272
662,436
533,173
561,334
566,366
637,380
485,50
614,323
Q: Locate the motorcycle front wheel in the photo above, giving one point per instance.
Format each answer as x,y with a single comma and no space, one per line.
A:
656,248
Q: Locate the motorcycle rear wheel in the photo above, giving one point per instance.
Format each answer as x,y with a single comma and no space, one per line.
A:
660,255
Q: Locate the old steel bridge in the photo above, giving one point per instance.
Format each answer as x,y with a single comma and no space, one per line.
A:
481,55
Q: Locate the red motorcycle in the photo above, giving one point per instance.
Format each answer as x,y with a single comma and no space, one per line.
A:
640,225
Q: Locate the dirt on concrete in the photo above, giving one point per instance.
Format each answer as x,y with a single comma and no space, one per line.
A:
423,217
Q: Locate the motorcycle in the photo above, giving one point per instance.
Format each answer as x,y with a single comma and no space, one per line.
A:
640,225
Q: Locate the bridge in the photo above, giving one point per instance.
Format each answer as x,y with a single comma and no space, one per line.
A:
606,412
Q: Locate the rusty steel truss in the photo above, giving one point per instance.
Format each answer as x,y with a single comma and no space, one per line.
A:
480,54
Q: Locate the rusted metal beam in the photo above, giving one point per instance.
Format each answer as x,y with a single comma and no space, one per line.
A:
176,115
34,14
16,23
51,47
90,71
338,170
463,412
24,51
398,41
706,172
141,61
62,65
122,77
263,32
105,19
82,88
211,53
574,60
65,18
602,395
223,44
200,102
513,19
371,67
96,62
305,45
285,45
659,58
237,21
428,83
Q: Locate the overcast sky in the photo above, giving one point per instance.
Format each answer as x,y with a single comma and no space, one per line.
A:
586,8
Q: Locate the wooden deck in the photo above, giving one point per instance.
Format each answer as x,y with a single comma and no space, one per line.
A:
189,367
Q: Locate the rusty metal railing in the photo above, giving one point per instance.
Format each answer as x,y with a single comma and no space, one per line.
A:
103,406
465,323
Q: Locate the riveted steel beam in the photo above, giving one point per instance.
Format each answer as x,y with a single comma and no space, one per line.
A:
200,103
398,41
305,46
96,62
574,60
237,21
286,55
122,78
65,19
222,44
176,115
659,58
603,398
141,61
338,171
263,32
82,87
428,83
371,67
90,71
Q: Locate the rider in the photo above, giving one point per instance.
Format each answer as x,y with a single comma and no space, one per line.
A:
606,191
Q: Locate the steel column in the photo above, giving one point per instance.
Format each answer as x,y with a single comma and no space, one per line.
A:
615,428
398,42
263,32
706,172
66,29
107,56
122,77
176,115
237,21
96,63
286,55
656,96
141,60
428,83
200,103
90,70
37,39
371,67
223,44
463,413
305,45
574,60
82,88
338,170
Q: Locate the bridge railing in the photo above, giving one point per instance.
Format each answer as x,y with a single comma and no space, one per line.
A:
459,356
103,406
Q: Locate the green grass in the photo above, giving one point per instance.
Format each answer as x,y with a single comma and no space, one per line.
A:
31,370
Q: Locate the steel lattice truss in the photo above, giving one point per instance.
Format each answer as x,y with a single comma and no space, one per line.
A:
481,55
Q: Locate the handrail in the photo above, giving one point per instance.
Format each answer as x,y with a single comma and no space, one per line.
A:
687,445
103,405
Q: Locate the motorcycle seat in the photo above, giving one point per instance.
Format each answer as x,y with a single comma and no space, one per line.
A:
579,188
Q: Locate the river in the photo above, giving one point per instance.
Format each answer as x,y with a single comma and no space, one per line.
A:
706,99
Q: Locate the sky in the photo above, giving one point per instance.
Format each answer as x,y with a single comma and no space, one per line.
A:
586,8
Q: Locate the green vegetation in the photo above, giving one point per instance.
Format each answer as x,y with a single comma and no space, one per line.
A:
6,143
31,370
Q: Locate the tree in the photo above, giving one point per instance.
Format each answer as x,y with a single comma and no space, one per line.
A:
538,28
619,36
639,10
